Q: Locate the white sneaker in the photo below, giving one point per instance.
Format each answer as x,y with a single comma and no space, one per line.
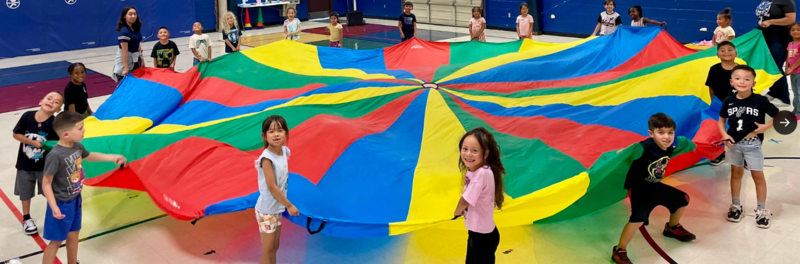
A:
29,226
762,218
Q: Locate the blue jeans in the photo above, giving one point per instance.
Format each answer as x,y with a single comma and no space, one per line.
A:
195,61
778,50
796,90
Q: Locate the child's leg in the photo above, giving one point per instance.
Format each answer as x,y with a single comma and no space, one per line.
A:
796,90
26,207
269,226
735,157
675,218
761,187
72,247
754,157
50,252
627,234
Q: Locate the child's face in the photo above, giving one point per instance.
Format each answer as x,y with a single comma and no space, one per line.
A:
743,81
663,136
75,133
727,53
407,9
52,102
334,20
230,20
476,13
633,13
523,10
722,21
163,34
609,7
197,28
795,32
130,17
472,154
78,74
290,13
275,135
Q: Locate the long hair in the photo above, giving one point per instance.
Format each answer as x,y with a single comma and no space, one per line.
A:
487,142
137,25
226,28
268,122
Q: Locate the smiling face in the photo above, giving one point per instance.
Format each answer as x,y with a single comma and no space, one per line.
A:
663,136
407,9
230,20
633,13
523,10
472,154
727,53
722,21
197,28
78,74
290,14
795,32
609,7
52,102
275,135
743,81
130,17
476,13
163,34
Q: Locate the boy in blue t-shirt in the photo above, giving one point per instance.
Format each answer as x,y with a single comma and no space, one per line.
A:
407,22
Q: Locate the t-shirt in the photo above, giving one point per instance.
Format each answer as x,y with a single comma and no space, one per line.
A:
719,79
775,9
233,37
639,23
524,24
291,26
476,25
66,166
165,54
650,167
723,33
267,204
479,193
742,114
77,95
335,32
29,157
408,24
793,56
127,35
200,43
608,22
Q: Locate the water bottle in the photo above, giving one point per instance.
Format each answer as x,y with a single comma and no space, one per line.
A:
356,45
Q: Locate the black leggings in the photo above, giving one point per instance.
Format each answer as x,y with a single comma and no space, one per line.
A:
481,247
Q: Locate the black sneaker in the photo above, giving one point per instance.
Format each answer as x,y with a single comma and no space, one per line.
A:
718,161
762,218
678,232
735,213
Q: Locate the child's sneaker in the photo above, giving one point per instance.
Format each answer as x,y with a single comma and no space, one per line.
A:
678,232
762,218
718,161
620,256
29,226
735,213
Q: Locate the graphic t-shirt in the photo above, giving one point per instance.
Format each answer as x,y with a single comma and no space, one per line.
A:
164,54
719,79
200,44
793,56
29,157
291,26
723,33
479,193
650,167
77,95
742,114
66,166
408,24
233,37
775,9
267,204
525,24
608,22
127,35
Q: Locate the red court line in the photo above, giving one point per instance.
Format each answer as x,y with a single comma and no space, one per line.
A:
37,238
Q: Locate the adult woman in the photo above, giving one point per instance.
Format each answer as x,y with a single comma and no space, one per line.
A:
774,17
129,54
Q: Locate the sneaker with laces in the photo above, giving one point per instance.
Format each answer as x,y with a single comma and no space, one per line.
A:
718,161
762,218
29,226
620,256
735,213
678,232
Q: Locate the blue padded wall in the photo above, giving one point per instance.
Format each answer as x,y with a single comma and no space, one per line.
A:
204,11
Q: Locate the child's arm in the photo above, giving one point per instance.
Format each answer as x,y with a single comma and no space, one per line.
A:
299,29
415,27
124,48
117,159
47,188
89,108
530,29
480,31
400,27
341,36
196,55
762,128
728,140
71,107
714,38
471,36
286,31
239,44
209,53
141,55
272,186
174,60
462,205
653,22
794,65
22,138
228,42
518,35
597,28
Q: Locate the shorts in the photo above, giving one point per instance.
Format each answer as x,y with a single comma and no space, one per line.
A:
27,181
268,223
334,44
195,61
645,199
57,230
746,151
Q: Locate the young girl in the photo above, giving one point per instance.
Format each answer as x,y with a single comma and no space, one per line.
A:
638,19
335,30
524,22
273,176
608,21
793,66
719,80
483,190
477,24
724,31
291,26
75,96
231,33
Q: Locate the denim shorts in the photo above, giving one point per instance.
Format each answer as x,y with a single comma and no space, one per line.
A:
746,151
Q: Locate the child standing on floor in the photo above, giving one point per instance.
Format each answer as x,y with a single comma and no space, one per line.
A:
335,30
793,66
200,44
408,22
524,22
476,25
165,52
638,19
745,114
719,80
483,190
33,128
724,31
646,189
608,20
75,96
273,177
62,185
231,33
291,26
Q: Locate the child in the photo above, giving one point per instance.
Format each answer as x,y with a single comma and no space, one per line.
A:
646,189
408,22
745,114
719,80
608,21
724,31
273,176
165,52
638,19
793,66
476,25
335,30
63,182
524,23
483,190
231,33
200,44
75,96
291,26
33,128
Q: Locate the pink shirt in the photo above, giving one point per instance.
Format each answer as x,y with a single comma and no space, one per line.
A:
793,56
476,24
525,24
479,193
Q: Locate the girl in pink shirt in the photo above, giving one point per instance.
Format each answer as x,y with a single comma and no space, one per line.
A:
793,66
483,190
476,25
524,23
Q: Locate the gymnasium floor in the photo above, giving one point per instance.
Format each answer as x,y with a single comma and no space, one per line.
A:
123,226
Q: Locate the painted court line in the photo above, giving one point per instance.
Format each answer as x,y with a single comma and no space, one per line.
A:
37,238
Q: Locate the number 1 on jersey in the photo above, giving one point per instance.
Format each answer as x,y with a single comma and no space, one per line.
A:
741,122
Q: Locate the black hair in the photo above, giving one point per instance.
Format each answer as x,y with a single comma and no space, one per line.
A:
159,29
726,43
525,5
610,1
137,25
66,121
334,14
72,67
268,122
479,10
408,3
660,120
637,8
726,13
744,68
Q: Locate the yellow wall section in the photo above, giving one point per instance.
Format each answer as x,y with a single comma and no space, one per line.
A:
126,125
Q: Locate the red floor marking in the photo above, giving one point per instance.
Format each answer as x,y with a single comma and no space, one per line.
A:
16,213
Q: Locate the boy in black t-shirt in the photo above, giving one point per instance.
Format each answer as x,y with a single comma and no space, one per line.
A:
408,22
165,52
33,128
719,80
745,114
646,190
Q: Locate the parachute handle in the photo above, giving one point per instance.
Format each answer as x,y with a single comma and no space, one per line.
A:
321,226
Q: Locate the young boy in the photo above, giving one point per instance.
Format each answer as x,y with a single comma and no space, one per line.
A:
647,191
200,44
745,115
408,22
719,79
165,52
63,182
33,128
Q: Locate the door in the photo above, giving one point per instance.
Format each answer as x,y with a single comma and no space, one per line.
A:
319,8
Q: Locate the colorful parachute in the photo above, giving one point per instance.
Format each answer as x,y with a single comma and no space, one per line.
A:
374,151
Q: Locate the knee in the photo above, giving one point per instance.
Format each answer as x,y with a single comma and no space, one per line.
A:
758,178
